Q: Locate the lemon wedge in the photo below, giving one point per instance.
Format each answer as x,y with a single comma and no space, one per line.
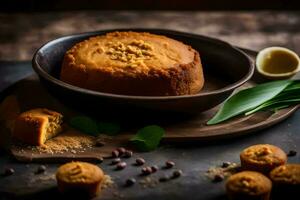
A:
277,63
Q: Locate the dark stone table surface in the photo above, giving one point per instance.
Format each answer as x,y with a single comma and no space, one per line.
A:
21,34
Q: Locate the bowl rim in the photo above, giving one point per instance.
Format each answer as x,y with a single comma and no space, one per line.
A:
41,72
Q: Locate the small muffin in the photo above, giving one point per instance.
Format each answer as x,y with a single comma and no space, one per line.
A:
262,158
36,126
248,185
286,179
134,63
79,178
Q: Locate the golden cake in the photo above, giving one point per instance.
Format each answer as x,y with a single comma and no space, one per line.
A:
36,126
79,178
248,185
133,63
286,179
262,158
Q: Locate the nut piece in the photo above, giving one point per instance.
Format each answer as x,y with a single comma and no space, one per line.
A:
169,164
128,154
154,168
130,182
121,165
218,178
140,161
225,164
115,153
292,153
9,171
146,170
115,161
121,150
41,169
177,173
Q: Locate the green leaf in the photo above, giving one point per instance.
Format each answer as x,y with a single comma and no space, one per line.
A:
274,105
108,128
84,124
287,95
294,86
279,107
148,138
292,90
248,99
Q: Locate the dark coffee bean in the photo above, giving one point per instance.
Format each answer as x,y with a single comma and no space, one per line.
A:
121,165
121,150
100,143
146,170
115,161
41,169
292,153
154,168
140,161
163,179
225,164
218,178
9,171
115,153
130,182
170,164
128,154
177,173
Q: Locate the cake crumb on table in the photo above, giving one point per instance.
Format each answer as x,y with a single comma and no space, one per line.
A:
72,141
148,182
214,173
107,182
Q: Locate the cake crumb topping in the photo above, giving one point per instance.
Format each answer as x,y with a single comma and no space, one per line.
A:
260,153
133,53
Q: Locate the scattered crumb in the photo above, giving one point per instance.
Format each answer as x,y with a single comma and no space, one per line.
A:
107,182
118,195
39,179
231,169
71,140
149,182
73,151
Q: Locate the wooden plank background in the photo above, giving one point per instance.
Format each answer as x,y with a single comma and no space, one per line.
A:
22,33
38,5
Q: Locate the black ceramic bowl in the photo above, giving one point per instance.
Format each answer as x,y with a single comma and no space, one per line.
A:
225,68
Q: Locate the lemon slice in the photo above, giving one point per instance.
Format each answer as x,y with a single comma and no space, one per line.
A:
277,63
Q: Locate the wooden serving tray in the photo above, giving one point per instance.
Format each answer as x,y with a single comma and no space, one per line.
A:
31,94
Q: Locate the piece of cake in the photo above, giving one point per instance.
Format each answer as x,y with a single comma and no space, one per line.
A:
133,63
248,185
36,126
262,158
80,178
286,179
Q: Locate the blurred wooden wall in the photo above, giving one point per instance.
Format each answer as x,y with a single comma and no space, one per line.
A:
45,5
